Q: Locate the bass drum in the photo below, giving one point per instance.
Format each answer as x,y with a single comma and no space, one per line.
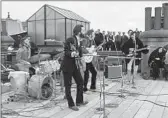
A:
40,87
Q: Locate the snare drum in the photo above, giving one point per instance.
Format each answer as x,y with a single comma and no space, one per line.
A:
19,80
49,66
40,86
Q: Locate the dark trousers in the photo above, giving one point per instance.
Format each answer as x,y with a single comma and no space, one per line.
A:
110,45
67,82
90,67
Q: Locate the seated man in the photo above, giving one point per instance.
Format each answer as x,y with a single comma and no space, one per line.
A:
22,57
166,66
157,58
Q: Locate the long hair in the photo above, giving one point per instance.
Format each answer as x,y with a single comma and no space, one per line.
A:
77,29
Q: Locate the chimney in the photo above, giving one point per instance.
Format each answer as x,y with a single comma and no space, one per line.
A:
165,13
148,18
157,21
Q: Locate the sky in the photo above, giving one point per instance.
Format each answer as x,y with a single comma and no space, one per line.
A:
103,15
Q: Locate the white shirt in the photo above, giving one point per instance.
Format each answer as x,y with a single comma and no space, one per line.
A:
113,38
78,39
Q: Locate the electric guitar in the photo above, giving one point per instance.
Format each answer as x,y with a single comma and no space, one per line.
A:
133,52
92,51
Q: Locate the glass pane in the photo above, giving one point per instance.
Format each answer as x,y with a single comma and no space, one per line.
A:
40,32
50,14
50,25
78,22
87,26
73,25
32,18
59,16
68,28
60,30
31,30
40,14
83,23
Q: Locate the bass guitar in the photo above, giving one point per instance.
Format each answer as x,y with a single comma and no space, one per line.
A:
133,52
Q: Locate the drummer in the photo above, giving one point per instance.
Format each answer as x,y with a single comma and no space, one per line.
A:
22,57
23,53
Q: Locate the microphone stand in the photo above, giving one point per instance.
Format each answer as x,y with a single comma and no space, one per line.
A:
134,56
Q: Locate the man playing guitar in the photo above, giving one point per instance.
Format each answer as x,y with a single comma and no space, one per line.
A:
70,67
133,47
88,43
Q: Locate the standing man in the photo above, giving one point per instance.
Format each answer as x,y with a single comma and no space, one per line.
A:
113,41
110,43
89,66
124,39
118,41
104,38
137,33
98,37
129,47
107,44
70,68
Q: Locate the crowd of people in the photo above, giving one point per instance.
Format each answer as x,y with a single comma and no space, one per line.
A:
113,41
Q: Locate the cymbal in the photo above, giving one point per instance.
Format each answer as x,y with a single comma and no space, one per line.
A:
41,57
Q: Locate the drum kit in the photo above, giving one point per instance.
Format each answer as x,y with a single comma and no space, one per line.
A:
41,84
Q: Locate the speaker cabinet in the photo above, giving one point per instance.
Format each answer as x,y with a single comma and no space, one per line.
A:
114,72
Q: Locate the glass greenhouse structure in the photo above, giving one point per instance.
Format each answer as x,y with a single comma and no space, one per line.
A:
54,23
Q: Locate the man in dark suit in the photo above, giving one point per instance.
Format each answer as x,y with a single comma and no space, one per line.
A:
124,39
70,67
118,41
104,38
98,37
106,47
112,41
156,61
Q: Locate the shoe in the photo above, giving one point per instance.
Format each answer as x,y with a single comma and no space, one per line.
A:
82,104
75,108
85,89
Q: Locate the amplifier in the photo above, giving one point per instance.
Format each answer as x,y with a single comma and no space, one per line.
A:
110,53
114,61
114,72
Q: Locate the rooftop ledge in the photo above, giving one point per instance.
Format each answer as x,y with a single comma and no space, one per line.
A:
155,34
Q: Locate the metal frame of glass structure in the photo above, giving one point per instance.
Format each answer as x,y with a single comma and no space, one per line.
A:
51,22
